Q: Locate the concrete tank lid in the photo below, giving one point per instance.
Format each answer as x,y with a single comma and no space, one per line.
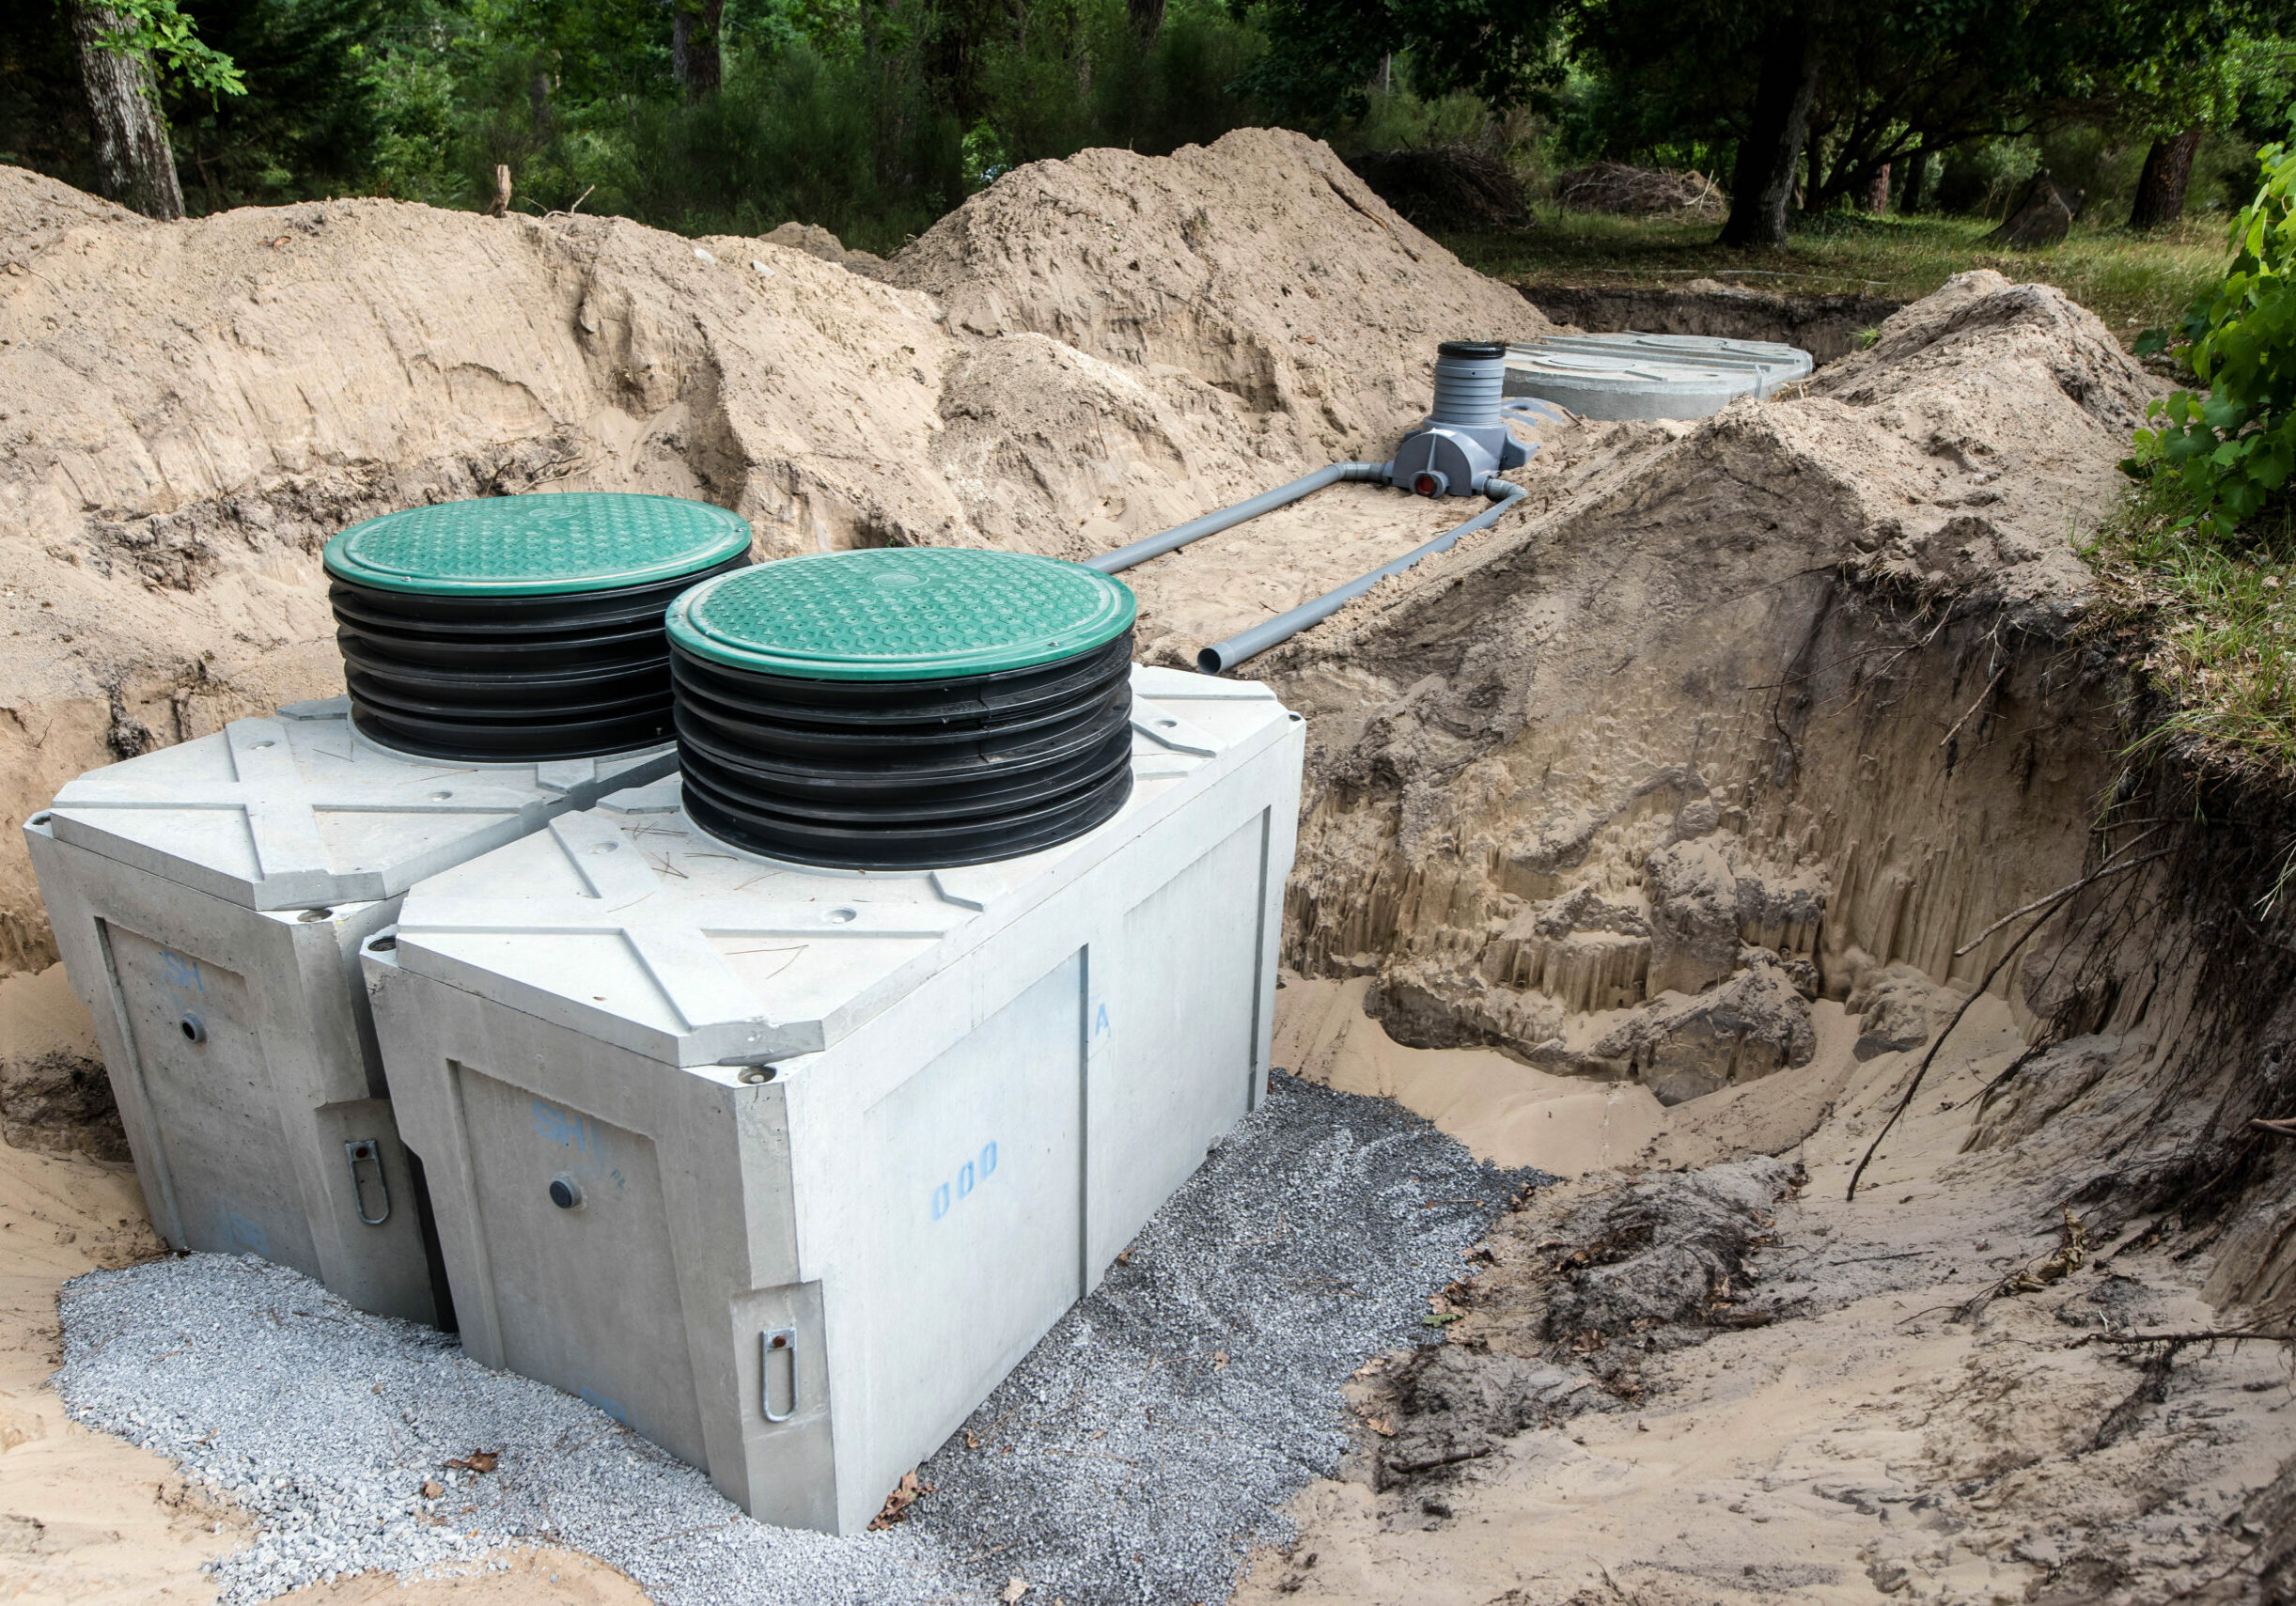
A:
900,614
1688,345
548,543
1701,353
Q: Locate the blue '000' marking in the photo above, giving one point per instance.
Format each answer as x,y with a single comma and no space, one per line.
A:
971,1175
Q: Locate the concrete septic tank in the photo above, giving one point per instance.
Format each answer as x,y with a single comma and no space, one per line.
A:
1650,376
209,900
786,1168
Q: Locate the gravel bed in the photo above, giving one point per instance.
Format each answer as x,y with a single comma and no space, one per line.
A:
1135,1456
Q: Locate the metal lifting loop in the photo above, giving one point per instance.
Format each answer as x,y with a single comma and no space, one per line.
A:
781,1341
368,1148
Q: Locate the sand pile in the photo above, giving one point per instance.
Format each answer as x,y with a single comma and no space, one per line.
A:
191,409
1260,265
1628,784
1710,790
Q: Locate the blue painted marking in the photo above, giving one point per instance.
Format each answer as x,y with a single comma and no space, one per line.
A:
182,972
970,1176
1099,1020
611,1407
243,1230
565,1127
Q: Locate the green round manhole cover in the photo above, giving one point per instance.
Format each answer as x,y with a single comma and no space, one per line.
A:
900,614
546,544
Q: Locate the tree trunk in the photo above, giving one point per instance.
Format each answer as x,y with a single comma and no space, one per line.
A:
135,162
693,52
1916,169
1877,192
2160,188
1763,183
1146,17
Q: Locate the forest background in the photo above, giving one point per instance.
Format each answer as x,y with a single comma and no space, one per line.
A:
873,117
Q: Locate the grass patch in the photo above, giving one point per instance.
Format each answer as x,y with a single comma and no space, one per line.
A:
2215,624
2132,281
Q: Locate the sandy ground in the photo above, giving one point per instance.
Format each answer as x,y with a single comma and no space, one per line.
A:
1880,1445
1224,583
86,1517
1818,1458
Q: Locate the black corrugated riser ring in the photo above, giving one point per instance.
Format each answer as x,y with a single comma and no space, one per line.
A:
905,774
509,680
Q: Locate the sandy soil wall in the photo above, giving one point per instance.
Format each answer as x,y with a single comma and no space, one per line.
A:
1750,711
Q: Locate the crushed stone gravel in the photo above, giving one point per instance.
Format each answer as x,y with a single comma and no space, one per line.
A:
1135,1454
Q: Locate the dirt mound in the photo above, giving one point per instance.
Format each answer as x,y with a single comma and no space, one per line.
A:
1640,192
190,411
815,240
1260,264
1968,350
1796,702
1583,784
54,1097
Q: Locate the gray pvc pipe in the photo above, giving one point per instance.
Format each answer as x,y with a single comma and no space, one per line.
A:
1252,643
1225,518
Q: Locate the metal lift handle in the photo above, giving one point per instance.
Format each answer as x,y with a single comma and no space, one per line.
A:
368,1149
781,1341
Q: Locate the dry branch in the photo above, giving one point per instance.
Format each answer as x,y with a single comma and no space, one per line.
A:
1619,187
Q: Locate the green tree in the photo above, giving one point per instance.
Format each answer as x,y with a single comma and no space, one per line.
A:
2229,446
307,121
1823,94
1324,55
2176,98
123,46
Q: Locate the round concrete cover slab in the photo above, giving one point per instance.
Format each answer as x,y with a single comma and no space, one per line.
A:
1771,363
1650,376
551,543
901,614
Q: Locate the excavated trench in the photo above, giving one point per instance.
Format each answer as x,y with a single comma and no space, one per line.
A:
1825,324
1771,779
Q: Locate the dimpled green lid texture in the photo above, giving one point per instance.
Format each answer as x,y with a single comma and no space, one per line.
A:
551,543
900,614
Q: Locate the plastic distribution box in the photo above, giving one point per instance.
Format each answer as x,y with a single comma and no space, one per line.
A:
784,1167
209,900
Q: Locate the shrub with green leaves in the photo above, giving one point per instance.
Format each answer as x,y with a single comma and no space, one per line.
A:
2227,447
